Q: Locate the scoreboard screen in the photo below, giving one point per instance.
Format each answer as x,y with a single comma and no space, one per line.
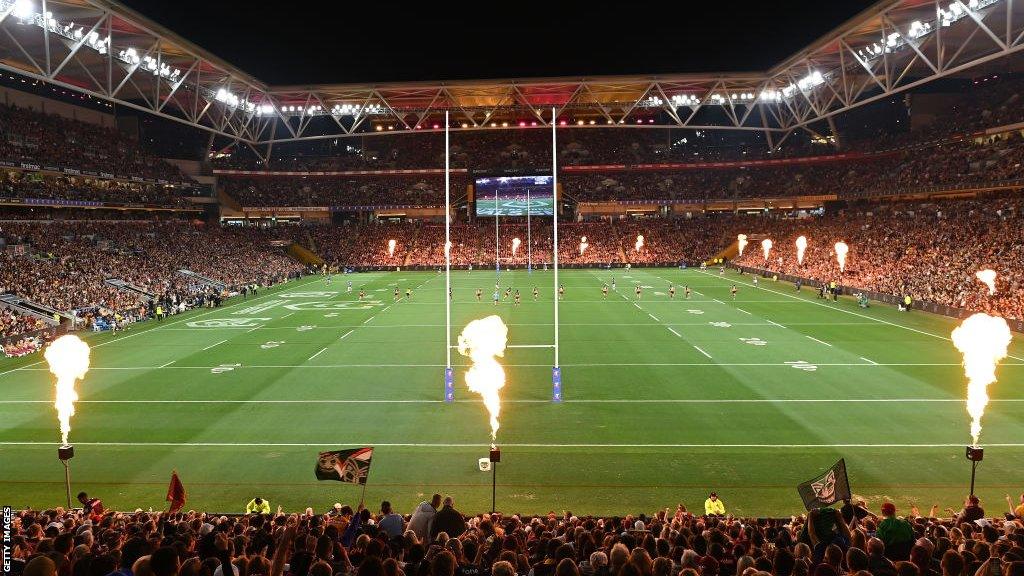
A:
514,196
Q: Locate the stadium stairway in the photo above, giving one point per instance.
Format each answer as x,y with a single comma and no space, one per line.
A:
730,252
412,247
130,288
26,307
304,255
618,244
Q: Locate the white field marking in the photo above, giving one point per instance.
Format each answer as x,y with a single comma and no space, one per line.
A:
699,349
187,315
454,347
773,323
588,365
819,341
288,314
744,311
363,442
654,317
212,345
562,324
168,364
545,401
869,360
343,336
674,332
322,350
255,328
879,320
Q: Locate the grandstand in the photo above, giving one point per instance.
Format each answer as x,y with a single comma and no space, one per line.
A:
268,273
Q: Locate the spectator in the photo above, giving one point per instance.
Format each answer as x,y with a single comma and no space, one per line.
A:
423,517
448,520
257,506
896,533
713,506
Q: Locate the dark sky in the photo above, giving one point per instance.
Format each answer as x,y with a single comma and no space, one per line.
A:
340,41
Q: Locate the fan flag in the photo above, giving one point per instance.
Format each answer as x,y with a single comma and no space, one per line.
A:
827,489
176,494
352,466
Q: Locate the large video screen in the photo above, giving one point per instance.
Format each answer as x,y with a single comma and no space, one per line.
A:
514,196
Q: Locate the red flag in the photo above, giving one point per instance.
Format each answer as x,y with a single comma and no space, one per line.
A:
176,493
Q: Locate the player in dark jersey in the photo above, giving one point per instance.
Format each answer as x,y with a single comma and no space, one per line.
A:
362,294
561,291
733,291
604,292
479,293
517,297
408,293
508,292
671,292
639,292
687,290
396,293
449,292
536,293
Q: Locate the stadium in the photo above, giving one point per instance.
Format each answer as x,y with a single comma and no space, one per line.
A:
762,320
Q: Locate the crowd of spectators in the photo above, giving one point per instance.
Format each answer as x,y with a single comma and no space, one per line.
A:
64,265
439,540
43,139
384,190
929,251
18,184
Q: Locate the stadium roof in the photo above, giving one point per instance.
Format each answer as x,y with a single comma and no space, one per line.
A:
105,49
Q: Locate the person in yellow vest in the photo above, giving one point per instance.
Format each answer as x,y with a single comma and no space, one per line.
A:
159,313
257,506
713,506
56,318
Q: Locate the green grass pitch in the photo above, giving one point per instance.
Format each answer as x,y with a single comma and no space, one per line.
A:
664,400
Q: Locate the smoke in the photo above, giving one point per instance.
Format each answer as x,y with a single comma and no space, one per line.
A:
988,278
841,251
583,245
766,247
484,340
983,340
741,241
391,247
68,358
515,245
639,243
801,247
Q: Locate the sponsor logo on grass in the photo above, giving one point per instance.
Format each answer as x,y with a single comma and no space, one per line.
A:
691,311
754,341
304,328
257,308
226,323
803,365
314,294
342,305
721,324
224,368
271,344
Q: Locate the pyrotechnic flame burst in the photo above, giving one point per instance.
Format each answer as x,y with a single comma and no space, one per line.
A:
583,245
801,247
447,247
841,251
391,247
68,358
741,241
639,243
484,341
988,278
766,247
515,245
983,340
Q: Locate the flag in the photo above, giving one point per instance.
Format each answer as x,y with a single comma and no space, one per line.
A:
176,493
827,489
352,466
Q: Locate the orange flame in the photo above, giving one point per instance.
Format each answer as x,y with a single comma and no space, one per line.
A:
841,251
766,247
741,241
484,341
639,243
583,245
988,278
515,245
983,340
801,247
68,357
391,247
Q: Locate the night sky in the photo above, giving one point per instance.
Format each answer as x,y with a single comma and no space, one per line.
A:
364,41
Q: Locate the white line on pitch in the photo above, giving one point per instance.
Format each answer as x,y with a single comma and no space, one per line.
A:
673,331
702,351
254,329
717,300
520,445
346,334
869,361
587,365
742,310
318,353
772,322
212,345
545,401
288,314
653,316
819,341
168,364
